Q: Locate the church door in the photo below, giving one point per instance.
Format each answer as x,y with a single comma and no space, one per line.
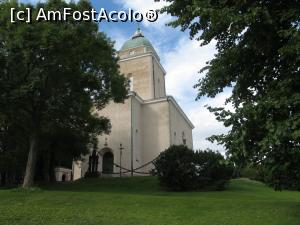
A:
108,163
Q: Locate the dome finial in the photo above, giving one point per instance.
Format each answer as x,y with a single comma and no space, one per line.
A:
138,27
138,33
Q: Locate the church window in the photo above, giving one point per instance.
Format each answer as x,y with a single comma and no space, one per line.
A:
145,49
131,52
131,81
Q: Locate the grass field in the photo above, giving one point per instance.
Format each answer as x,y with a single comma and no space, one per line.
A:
139,200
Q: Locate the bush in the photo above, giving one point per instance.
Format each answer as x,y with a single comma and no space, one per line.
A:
213,171
281,178
175,169
249,172
254,172
181,169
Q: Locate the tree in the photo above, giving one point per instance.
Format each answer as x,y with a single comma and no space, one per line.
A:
258,45
12,152
54,75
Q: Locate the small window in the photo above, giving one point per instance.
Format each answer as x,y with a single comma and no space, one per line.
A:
131,52
131,82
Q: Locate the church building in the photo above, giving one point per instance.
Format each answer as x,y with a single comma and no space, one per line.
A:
146,124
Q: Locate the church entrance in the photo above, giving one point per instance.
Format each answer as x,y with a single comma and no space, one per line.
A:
108,163
63,178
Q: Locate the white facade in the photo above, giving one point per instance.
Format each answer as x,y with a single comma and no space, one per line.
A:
63,174
147,123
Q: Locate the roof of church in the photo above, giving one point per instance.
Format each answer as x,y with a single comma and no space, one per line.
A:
137,40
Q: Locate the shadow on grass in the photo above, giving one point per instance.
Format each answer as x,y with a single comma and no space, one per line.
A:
134,185
109,184
150,186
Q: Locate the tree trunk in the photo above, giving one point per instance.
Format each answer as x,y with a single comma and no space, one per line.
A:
31,162
46,168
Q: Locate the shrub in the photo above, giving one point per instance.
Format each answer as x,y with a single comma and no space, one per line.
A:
249,172
254,172
213,171
175,168
181,169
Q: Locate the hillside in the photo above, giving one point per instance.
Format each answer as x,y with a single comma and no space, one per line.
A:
139,200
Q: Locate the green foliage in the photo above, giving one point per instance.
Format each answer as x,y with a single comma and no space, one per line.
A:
53,75
12,151
258,45
212,170
175,168
181,169
253,173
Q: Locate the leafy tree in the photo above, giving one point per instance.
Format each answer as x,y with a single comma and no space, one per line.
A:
12,152
53,75
258,45
60,148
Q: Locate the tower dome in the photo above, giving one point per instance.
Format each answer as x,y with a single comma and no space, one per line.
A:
137,40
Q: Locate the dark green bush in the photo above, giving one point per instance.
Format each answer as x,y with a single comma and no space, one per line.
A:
254,172
250,172
175,168
213,171
181,169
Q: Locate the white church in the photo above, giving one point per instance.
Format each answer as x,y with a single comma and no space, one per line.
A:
146,124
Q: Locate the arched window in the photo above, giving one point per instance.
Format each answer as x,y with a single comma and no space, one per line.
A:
130,81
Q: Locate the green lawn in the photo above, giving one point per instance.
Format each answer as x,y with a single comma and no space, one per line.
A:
139,200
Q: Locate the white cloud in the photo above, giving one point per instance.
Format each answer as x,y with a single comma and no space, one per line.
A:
182,65
118,36
144,6
205,122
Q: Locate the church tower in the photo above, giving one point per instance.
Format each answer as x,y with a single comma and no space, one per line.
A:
141,64
147,123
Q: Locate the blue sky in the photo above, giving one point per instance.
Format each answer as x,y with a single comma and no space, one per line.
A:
181,57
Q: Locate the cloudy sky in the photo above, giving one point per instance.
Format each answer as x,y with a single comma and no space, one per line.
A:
181,57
